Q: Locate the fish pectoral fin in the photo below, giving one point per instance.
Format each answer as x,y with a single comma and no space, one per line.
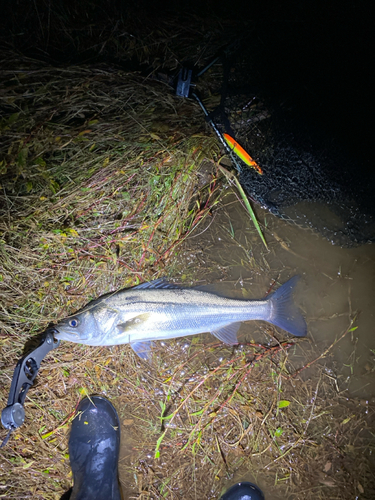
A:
142,349
133,323
228,334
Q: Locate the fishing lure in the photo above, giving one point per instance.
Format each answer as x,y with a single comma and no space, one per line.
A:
241,153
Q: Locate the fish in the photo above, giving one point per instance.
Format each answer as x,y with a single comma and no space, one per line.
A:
160,310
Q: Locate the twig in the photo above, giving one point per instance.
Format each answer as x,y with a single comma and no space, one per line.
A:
349,329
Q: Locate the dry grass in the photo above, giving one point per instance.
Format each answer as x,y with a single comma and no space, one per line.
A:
99,185
101,181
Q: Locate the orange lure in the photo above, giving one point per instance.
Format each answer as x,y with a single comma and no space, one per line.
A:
241,153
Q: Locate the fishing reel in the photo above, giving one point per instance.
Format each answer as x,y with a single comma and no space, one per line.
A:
13,415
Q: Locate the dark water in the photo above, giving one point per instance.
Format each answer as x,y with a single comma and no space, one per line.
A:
336,283
309,67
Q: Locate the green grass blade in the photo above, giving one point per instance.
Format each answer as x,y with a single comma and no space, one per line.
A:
247,203
250,210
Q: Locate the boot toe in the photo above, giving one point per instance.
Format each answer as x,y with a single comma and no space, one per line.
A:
94,447
243,491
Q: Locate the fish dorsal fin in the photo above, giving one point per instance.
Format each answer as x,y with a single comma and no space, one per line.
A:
142,349
159,283
228,334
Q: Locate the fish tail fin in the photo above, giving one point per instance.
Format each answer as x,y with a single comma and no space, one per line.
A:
284,312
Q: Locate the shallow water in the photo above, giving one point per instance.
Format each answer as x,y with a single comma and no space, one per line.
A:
336,284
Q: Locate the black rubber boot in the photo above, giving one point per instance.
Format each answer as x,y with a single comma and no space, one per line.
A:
243,491
94,447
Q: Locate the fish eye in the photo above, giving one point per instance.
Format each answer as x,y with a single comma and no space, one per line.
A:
73,323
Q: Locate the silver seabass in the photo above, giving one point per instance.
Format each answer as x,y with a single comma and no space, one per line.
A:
159,310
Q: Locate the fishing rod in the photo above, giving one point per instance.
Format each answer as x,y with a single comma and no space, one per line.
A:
231,146
218,133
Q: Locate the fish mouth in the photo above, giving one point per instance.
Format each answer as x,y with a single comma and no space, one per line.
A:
61,335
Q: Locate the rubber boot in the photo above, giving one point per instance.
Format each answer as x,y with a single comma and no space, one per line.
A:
94,447
243,491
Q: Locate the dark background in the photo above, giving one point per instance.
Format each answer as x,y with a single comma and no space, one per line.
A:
315,57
